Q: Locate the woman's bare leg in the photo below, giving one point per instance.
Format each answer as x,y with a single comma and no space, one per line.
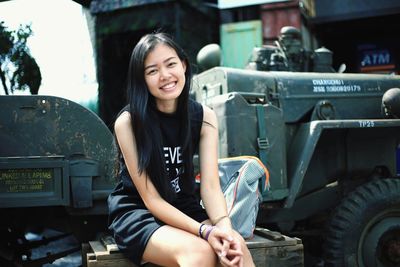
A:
169,246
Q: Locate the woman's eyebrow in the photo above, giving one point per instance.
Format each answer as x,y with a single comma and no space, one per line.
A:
154,65
168,59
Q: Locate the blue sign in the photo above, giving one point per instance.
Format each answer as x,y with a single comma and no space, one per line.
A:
376,58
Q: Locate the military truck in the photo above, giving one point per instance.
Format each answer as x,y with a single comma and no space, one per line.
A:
57,162
331,143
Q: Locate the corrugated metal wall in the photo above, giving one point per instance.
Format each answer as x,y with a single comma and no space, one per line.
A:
277,15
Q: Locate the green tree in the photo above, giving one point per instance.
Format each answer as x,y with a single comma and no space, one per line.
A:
18,69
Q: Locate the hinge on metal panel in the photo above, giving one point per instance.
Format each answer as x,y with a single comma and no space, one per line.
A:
262,143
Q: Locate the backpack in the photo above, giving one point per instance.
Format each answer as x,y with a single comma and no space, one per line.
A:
242,178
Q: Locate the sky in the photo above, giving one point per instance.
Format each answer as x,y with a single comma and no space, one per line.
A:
60,45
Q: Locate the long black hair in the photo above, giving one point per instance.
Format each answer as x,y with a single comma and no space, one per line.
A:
144,117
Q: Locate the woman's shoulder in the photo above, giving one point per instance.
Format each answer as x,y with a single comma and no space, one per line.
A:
209,114
125,111
123,120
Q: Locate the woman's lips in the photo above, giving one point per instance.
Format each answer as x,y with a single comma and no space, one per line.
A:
168,86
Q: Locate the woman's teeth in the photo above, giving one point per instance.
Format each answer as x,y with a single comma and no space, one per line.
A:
168,86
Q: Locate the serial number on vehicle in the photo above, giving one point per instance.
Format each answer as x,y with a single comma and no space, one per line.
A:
365,124
25,180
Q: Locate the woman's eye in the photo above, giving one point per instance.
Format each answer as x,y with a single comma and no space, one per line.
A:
171,64
150,72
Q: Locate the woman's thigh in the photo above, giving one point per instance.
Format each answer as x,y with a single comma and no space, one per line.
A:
169,246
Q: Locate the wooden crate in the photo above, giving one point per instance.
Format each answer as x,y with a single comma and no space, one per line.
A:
273,249
268,248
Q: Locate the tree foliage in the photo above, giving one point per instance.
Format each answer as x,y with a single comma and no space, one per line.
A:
18,69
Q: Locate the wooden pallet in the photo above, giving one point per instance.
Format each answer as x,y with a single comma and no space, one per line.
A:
268,248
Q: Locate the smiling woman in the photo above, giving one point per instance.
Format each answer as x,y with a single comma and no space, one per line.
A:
155,214
165,77
61,45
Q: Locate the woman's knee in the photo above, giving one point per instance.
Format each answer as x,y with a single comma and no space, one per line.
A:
198,254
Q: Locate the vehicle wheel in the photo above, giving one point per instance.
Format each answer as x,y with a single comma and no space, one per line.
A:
364,230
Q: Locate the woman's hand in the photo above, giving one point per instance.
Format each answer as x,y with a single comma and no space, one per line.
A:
226,247
234,255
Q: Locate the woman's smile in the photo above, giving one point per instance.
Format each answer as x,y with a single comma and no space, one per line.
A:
169,86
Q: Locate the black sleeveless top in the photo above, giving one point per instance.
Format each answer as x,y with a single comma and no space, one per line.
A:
170,128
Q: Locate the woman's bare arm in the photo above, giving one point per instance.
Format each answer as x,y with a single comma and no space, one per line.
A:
210,187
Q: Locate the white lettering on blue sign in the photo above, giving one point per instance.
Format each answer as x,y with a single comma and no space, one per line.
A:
376,58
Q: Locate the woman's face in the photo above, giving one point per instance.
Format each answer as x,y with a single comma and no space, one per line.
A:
164,74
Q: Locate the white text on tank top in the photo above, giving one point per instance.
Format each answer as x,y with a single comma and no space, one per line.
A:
173,162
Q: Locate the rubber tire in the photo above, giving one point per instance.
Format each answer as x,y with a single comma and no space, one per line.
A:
351,217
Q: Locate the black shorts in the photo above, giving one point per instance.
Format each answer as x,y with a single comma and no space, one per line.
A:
133,225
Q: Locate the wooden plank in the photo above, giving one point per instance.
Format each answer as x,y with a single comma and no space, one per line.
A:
278,256
84,251
101,253
272,235
262,242
109,243
120,262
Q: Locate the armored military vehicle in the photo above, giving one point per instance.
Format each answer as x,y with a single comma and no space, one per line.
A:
331,143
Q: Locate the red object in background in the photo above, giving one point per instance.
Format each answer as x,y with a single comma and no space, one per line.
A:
277,15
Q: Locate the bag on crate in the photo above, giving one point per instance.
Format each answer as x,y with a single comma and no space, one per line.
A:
241,179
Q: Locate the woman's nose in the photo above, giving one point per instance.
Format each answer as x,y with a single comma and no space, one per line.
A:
164,74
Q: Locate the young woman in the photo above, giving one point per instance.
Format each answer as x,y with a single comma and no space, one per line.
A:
154,212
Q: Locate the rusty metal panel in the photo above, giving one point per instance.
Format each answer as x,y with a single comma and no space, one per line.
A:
277,15
38,128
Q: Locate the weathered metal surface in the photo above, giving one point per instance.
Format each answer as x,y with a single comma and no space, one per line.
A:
45,140
34,181
320,127
297,94
238,133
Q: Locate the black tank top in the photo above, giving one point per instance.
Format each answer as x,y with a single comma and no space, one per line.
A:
170,127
